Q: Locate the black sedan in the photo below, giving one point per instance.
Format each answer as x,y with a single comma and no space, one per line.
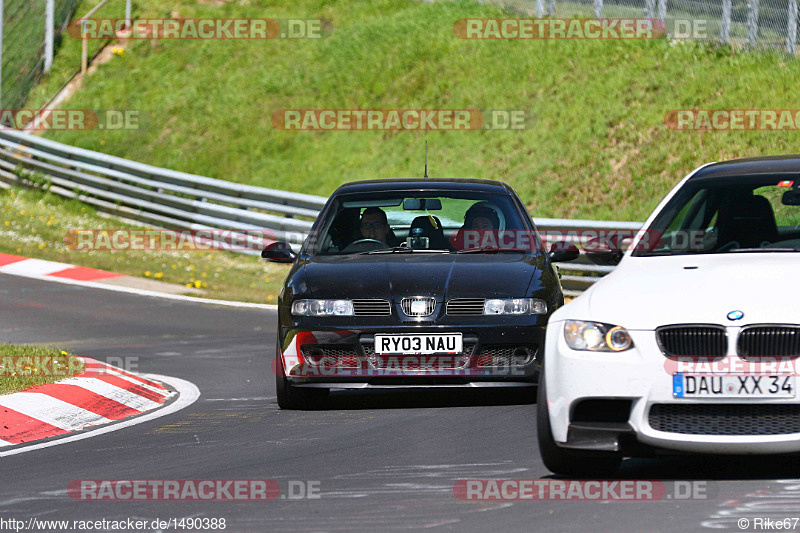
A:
415,283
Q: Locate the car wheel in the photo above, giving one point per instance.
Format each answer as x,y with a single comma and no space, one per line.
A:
564,460
291,397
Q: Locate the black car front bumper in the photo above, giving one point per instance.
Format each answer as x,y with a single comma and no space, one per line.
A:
494,354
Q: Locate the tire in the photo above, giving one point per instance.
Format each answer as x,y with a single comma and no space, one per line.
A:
566,461
291,397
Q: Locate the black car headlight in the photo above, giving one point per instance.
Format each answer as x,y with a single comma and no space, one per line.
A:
515,306
322,308
596,336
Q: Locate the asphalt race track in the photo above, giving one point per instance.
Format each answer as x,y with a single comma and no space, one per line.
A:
382,461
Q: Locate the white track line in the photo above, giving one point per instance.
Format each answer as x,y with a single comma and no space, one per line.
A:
112,392
189,393
51,410
140,292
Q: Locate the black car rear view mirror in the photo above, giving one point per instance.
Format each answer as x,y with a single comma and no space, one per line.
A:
422,204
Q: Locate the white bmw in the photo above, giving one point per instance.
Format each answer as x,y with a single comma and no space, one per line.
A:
692,344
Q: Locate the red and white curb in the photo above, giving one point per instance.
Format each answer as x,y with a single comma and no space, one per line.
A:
91,277
23,266
100,395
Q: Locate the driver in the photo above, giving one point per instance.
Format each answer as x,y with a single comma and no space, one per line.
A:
481,223
374,224
481,217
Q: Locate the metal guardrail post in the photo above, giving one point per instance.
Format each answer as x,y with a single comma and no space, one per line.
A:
791,30
726,21
752,24
84,48
85,36
539,8
662,10
2,23
49,36
649,9
598,8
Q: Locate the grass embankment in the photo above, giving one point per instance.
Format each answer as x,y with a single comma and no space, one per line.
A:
599,148
27,366
35,224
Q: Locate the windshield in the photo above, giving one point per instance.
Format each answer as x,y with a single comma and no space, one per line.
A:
727,215
422,222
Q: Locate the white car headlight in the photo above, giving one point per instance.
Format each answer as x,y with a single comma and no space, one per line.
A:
515,306
322,308
596,336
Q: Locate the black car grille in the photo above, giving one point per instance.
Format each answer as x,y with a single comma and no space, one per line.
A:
372,307
430,305
465,306
329,350
331,355
692,340
726,419
504,355
756,341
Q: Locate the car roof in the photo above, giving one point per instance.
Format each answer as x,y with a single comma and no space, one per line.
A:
421,184
780,165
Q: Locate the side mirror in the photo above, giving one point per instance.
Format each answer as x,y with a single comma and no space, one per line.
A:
279,252
605,257
606,252
563,251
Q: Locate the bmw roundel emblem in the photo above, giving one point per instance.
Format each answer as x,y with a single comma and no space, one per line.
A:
735,315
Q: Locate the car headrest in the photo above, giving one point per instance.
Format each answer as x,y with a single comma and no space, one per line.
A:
428,228
747,219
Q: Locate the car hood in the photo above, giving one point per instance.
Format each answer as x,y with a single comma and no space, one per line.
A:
443,276
647,292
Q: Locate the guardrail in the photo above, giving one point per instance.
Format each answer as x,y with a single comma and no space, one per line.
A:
176,200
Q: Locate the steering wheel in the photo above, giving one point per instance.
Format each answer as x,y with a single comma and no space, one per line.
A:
363,245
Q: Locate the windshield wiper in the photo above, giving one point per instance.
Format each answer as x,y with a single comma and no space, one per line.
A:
404,250
656,253
752,250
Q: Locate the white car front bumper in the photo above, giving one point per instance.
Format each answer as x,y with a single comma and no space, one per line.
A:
643,376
